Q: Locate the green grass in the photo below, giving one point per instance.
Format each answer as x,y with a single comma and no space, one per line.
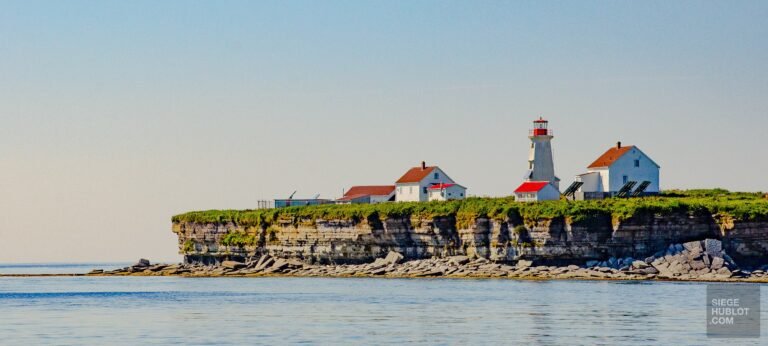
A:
739,205
189,246
239,239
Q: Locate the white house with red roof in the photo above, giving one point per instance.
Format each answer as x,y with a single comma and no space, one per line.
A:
535,191
617,168
446,192
368,194
414,185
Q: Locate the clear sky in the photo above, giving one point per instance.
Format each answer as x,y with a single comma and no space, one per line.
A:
114,116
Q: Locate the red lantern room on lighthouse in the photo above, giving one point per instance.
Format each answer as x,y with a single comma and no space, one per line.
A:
540,128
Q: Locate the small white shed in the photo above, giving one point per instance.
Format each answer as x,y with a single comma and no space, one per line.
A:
446,192
535,191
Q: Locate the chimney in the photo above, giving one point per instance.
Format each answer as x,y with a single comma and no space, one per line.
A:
423,165
618,145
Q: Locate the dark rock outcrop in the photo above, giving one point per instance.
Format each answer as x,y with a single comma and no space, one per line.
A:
555,241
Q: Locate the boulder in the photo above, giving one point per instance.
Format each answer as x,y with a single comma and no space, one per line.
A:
717,263
592,263
96,271
713,247
265,264
459,260
432,272
738,273
142,263
696,265
380,271
639,264
693,246
694,256
613,262
294,263
523,264
677,269
393,257
261,261
679,248
723,272
280,264
233,265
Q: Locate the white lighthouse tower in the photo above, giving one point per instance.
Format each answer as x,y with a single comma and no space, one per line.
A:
540,164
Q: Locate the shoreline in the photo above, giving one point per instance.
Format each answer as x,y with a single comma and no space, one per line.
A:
391,267
469,277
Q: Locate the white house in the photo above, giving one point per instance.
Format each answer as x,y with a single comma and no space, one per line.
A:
368,194
535,191
414,185
618,166
446,192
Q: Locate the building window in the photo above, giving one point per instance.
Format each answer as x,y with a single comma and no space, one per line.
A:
637,163
437,175
424,189
625,179
461,194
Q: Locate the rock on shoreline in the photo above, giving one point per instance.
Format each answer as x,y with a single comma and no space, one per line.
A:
692,261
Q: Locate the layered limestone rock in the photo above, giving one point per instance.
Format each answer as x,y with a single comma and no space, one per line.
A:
544,241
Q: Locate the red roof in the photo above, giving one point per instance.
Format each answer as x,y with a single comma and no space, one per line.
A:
610,156
415,174
531,186
440,186
362,191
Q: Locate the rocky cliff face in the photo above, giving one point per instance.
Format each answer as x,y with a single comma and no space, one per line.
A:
556,241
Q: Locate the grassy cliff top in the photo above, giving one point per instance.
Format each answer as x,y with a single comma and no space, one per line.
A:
739,205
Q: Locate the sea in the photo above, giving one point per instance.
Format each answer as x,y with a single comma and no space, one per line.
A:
347,311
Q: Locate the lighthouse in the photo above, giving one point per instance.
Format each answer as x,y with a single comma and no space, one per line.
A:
540,164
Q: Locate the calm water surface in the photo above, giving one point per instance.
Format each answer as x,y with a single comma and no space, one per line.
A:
219,311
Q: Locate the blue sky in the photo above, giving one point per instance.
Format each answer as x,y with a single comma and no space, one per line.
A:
115,116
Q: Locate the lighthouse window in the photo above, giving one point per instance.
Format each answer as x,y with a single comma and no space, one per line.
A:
637,163
437,175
